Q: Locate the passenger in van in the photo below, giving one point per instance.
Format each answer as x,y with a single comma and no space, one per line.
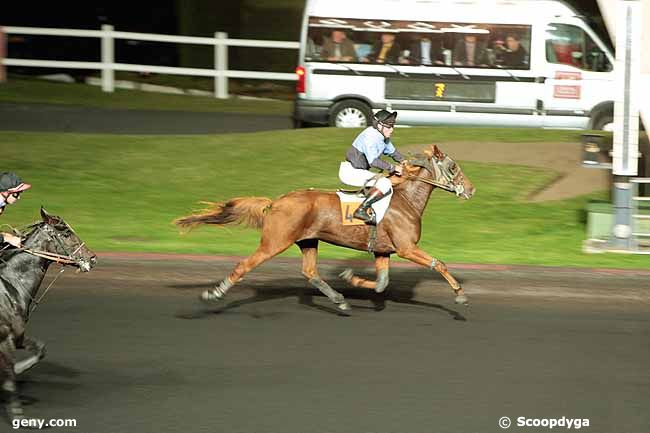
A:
312,51
385,50
513,54
425,51
366,152
338,48
469,51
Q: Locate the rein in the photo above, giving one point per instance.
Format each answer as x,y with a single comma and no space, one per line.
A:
58,258
61,259
36,302
429,181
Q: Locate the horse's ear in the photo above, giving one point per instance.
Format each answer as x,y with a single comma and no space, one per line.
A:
46,216
437,153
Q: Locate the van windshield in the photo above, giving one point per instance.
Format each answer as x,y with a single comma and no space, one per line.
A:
337,40
571,45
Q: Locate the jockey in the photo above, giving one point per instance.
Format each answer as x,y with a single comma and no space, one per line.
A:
365,152
11,186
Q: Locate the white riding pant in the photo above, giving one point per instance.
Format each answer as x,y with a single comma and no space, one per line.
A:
360,177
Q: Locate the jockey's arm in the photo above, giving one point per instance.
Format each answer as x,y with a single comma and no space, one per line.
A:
8,238
391,151
382,165
397,157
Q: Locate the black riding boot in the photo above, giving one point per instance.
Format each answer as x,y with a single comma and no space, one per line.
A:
362,211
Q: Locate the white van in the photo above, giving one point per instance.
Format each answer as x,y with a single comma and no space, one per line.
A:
529,63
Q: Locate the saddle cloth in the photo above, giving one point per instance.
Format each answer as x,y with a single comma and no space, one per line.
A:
350,203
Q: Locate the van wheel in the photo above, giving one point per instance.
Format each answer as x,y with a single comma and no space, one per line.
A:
350,114
604,123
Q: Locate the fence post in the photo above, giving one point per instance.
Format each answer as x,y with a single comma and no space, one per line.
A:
108,58
3,54
220,65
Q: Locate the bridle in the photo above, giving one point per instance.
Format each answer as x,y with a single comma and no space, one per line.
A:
63,259
442,172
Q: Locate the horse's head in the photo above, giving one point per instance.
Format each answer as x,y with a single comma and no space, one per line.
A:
437,168
54,239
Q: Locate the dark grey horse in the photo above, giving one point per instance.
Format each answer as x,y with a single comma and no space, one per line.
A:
21,272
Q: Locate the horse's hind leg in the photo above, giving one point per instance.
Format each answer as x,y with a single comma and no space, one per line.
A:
416,255
268,248
382,264
36,348
309,249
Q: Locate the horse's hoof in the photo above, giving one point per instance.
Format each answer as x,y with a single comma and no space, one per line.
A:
347,274
22,366
461,299
344,306
16,413
381,286
213,295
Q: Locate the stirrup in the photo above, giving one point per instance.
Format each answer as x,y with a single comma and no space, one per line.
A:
364,216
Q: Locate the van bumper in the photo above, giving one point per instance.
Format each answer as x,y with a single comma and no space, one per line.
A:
311,111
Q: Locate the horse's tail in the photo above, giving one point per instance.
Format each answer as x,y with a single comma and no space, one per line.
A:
249,211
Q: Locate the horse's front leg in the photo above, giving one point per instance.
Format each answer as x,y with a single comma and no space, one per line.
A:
8,380
416,255
382,265
37,350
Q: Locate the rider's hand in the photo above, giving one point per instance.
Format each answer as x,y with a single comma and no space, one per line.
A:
398,170
12,239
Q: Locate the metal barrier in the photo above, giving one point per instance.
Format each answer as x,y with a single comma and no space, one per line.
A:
640,217
108,66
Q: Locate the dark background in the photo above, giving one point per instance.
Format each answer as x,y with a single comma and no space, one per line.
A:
250,19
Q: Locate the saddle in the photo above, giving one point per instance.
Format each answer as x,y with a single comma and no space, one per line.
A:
350,200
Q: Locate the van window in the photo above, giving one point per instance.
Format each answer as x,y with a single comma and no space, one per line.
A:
418,43
571,45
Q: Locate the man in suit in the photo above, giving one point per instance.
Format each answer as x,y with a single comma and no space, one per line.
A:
514,55
425,50
385,50
338,48
469,51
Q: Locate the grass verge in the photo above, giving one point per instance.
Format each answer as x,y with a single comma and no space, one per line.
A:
121,193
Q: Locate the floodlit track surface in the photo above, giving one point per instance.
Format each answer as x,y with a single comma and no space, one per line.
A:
130,348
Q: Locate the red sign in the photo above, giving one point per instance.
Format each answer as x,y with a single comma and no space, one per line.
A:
566,92
562,75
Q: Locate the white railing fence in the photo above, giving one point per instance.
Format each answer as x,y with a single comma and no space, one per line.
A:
107,65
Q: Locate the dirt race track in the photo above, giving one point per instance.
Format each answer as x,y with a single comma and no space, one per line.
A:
130,349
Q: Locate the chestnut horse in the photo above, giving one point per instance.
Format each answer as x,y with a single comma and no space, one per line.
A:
305,217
